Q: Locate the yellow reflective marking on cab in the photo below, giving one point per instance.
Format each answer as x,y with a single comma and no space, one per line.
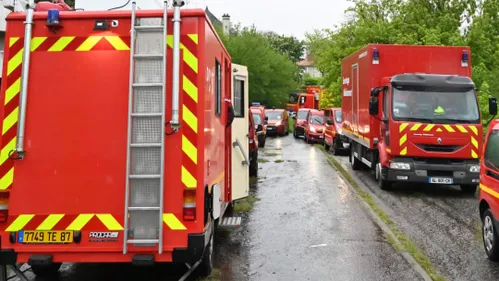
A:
190,88
172,222
416,127
474,142
12,91
403,126
439,130
489,191
429,127
10,120
474,129
13,41
7,179
188,179
449,128
14,62
404,151
190,149
461,129
194,38
50,222
89,43
190,118
403,139
36,42
473,154
62,43
20,222
80,222
4,154
117,43
109,221
189,58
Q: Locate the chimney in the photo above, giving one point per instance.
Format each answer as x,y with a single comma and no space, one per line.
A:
226,23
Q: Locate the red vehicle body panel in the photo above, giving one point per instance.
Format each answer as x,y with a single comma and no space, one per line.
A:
314,132
363,128
299,126
73,175
278,126
489,177
334,129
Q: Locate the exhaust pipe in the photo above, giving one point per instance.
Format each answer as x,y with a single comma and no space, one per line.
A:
175,122
24,79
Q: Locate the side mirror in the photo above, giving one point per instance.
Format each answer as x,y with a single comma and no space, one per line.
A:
492,106
374,92
329,122
266,118
259,128
294,117
373,106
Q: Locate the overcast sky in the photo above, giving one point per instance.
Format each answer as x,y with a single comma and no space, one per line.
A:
290,17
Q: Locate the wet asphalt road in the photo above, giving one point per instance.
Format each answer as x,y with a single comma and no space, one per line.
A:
307,226
442,221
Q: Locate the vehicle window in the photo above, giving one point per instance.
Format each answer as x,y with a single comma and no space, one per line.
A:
257,118
491,157
274,115
218,88
327,113
302,114
317,119
436,106
303,99
337,116
385,103
238,98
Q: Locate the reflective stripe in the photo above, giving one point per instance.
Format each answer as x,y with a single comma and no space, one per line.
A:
190,118
110,222
12,91
403,126
489,191
404,151
190,89
461,129
7,179
415,127
20,222
188,179
403,139
449,128
89,43
189,149
50,222
62,43
80,222
117,43
474,129
172,222
429,127
10,120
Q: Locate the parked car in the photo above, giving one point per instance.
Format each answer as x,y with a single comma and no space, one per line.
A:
315,126
278,123
260,119
301,115
334,140
489,191
253,146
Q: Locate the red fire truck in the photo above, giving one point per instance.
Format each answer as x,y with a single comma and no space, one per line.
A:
116,138
412,115
310,99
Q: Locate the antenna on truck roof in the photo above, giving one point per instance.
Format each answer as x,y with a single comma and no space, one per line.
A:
120,7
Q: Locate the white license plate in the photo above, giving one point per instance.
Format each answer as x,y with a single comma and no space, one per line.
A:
441,180
321,137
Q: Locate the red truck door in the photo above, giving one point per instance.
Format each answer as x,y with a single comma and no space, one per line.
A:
355,97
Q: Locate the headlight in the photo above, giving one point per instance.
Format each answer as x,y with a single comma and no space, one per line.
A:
278,123
400,166
475,168
312,129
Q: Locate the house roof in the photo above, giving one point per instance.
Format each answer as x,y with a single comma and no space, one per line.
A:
305,62
214,20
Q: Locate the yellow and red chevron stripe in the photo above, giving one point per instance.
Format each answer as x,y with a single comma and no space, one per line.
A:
13,81
94,222
429,128
189,46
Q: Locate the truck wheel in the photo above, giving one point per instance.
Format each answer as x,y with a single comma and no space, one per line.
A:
490,237
354,162
382,183
327,147
336,150
253,169
295,134
206,266
469,188
46,270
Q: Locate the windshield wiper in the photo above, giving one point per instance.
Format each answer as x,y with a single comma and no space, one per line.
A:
426,120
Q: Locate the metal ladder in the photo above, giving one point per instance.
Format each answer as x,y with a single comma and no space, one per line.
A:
146,132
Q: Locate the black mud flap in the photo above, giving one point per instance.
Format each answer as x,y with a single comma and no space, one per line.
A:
196,244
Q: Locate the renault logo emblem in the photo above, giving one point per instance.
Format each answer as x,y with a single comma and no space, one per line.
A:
439,140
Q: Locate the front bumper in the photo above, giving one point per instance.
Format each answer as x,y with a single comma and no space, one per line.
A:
434,171
299,130
274,130
318,137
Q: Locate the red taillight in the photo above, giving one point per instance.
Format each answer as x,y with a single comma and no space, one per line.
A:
189,213
3,215
4,206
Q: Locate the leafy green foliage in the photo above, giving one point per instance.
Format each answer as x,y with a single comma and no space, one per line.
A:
71,3
288,45
419,22
272,75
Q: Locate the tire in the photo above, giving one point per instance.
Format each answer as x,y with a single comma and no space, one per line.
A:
263,143
327,147
354,162
206,266
489,236
336,150
382,183
51,270
469,188
253,169
295,134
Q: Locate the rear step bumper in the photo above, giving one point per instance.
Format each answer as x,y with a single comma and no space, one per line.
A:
196,244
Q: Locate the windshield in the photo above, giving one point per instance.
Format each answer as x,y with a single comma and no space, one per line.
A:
302,114
274,115
435,106
317,119
491,157
257,119
337,116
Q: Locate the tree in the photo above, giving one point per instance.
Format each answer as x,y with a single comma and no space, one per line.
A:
271,73
71,3
288,45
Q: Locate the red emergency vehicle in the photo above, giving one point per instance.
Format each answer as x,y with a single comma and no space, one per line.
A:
412,115
310,99
334,139
123,153
489,192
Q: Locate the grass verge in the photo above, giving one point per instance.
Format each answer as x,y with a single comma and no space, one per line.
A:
215,275
278,161
261,160
271,154
407,245
253,180
246,204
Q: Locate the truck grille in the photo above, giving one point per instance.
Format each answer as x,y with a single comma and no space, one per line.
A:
439,148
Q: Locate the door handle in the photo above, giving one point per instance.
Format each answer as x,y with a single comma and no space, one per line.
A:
238,144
